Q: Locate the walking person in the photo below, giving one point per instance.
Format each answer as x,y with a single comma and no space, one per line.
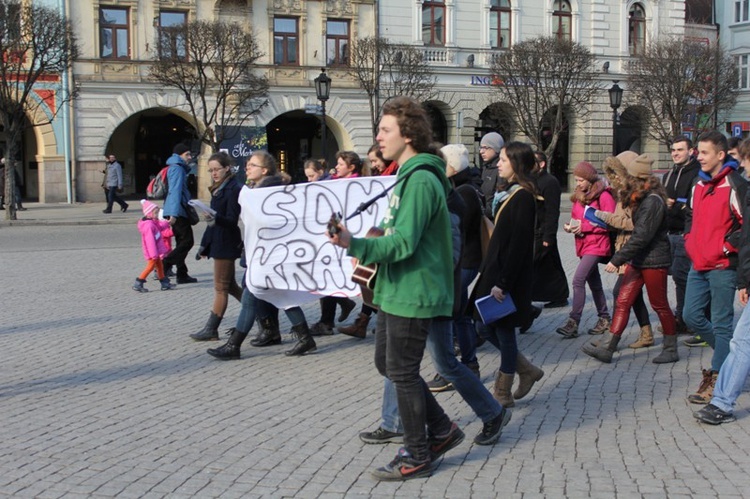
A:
712,236
489,151
414,286
592,248
175,207
154,235
262,172
221,241
508,268
113,183
736,367
648,258
550,281
621,222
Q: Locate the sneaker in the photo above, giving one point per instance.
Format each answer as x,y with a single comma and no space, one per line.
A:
601,326
321,329
403,467
569,329
439,384
439,445
713,415
381,436
695,341
491,430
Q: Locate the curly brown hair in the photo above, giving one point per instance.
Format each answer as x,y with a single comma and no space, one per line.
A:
636,189
413,122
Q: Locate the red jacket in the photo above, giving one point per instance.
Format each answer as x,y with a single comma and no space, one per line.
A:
716,210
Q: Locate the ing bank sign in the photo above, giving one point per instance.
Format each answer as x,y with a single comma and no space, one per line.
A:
488,81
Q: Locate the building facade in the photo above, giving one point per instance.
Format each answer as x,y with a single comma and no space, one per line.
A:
734,34
120,111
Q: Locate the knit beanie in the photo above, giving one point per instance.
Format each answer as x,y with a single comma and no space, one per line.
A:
148,206
494,141
641,167
586,171
180,149
457,156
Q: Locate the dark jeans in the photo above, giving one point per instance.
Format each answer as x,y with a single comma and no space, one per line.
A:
504,339
679,269
633,281
639,306
112,198
466,332
399,348
328,308
295,314
183,235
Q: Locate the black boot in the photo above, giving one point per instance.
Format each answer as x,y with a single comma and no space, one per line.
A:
231,349
603,352
210,331
269,334
305,342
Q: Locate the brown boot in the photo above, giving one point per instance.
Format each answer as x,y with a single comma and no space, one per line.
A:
528,374
359,328
706,389
645,339
503,384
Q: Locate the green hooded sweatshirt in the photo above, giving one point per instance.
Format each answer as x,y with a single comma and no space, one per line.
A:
414,257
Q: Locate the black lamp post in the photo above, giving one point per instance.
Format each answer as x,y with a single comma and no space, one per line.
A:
615,100
323,91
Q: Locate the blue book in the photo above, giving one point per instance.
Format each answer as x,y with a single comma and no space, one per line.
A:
491,310
589,213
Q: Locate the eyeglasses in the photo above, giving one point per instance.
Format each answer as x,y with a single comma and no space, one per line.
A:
484,148
254,165
212,170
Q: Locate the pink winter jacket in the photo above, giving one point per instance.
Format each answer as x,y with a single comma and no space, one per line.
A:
153,233
595,240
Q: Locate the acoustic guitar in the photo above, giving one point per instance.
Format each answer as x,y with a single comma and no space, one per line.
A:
364,275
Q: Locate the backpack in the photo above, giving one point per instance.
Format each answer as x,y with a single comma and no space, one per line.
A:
157,188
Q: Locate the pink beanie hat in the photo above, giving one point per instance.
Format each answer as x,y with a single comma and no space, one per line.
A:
148,206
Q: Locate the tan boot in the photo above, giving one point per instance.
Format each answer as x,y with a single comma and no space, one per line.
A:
503,384
528,374
645,339
358,329
706,389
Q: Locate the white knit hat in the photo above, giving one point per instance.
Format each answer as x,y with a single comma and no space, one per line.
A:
456,156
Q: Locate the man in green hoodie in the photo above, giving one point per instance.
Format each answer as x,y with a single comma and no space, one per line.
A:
414,284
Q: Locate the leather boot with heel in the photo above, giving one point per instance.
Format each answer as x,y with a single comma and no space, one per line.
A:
359,328
210,331
528,374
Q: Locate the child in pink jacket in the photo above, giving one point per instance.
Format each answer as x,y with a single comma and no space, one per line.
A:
155,235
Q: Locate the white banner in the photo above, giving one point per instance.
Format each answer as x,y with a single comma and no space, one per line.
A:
289,258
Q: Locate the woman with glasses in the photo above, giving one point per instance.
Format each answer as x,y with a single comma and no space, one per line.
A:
221,241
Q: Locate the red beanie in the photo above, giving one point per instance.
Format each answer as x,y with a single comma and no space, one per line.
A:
586,171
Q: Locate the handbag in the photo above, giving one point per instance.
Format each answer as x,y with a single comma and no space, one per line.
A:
192,215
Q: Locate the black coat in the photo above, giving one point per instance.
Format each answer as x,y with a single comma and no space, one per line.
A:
509,263
678,183
471,255
223,239
743,266
549,189
648,246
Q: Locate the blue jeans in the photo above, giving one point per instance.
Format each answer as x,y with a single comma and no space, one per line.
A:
248,311
466,333
679,269
389,412
714,287
736,367
295,314
471,389
504,339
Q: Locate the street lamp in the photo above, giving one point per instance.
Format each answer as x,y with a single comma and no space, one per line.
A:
323,90
615,100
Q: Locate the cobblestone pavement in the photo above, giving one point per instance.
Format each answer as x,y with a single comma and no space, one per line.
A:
103,394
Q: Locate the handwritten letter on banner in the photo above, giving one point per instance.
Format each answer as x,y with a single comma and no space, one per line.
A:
289,258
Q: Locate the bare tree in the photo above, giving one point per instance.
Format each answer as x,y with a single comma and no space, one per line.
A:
543,78
385,70
214,65
37,47
683,82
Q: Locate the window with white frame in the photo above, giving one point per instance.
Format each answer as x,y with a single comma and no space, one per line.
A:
741,11
433,22
743,65
561,20
500,24
636,29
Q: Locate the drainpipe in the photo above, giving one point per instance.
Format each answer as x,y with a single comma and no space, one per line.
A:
65,118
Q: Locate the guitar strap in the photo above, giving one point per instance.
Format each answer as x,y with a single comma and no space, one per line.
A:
366,204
